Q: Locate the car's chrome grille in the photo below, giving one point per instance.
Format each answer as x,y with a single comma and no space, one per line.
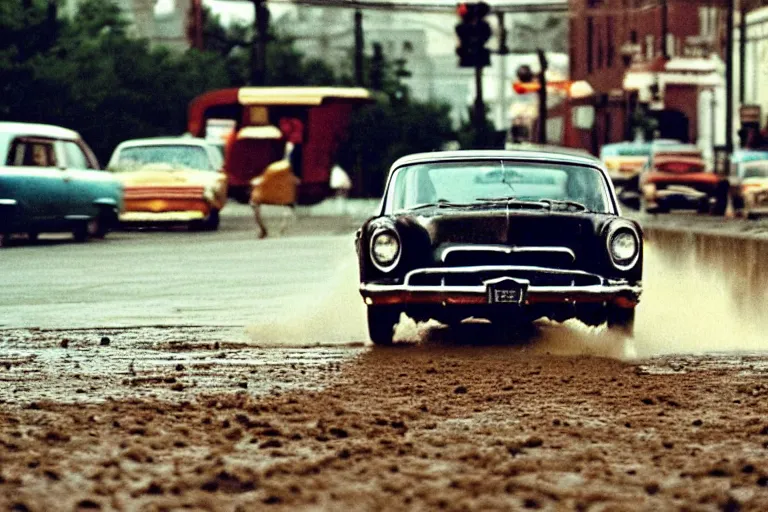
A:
478,275
473,255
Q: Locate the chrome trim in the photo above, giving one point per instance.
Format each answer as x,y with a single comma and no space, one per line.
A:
498,268
596,289
614,227
377,232
506,250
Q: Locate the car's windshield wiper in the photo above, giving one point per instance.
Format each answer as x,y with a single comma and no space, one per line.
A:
564,203
441,203
551,204
511,201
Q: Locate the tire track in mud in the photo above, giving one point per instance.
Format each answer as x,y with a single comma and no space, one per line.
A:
414,427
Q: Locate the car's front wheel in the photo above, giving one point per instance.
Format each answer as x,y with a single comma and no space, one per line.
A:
103,224
381,323
621,320
82,231
210,223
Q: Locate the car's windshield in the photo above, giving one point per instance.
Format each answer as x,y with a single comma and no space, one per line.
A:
489,181
638,150
177,156
756,170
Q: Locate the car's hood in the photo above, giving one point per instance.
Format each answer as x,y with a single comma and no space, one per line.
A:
514,227
162,175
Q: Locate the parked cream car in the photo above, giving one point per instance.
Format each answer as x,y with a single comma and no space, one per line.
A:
170,181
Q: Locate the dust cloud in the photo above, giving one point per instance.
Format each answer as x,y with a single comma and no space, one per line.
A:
699,296
332,313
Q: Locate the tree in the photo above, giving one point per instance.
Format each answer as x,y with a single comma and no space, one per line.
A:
95,78
91,75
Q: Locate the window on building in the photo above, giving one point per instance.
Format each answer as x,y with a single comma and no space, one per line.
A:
572,48
611,50
671,45
650,51
600,46
590,44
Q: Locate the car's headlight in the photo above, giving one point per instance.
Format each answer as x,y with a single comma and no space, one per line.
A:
623,245
385,249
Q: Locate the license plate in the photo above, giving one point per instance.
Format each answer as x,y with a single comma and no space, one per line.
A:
506,291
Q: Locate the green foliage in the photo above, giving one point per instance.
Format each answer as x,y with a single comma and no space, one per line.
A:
642,123
90,74
470,137
98,80
386,131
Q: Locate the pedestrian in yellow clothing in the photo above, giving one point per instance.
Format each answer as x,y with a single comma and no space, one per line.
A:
275,186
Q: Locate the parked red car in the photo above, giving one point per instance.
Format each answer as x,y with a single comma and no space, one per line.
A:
682,183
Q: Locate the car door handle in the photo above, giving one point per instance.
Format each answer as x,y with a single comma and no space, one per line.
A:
67,178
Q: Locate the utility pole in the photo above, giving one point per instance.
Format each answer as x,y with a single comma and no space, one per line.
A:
474,32
479,110
543,66
729,78
259,46
359,47
742,51
504,121
664,29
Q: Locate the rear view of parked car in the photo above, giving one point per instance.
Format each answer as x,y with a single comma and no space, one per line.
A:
51,182
749,183
624,161
170,181
678,178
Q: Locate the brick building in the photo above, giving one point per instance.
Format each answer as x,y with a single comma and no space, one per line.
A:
665,56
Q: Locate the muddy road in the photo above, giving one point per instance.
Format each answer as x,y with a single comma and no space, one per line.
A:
170,370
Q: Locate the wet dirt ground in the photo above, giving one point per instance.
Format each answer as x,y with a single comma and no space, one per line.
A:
425,426
219,417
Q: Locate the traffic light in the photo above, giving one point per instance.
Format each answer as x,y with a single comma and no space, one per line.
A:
474,32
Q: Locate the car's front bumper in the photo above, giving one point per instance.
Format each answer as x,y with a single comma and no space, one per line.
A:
619,292
161,217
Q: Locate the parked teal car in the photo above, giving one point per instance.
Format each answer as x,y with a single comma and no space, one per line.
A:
50,181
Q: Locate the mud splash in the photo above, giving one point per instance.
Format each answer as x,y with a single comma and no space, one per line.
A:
329,314
702,294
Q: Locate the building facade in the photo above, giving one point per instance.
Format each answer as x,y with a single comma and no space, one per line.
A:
756,62
427,42
162,24
647,59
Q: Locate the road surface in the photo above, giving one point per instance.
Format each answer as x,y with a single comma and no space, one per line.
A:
214,371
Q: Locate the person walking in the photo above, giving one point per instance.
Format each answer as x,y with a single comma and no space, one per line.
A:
340,184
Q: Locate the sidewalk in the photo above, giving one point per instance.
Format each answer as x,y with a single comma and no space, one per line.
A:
354,208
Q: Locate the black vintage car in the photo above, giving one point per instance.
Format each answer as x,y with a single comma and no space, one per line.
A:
508,236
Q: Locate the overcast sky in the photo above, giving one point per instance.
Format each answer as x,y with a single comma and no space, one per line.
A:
231,10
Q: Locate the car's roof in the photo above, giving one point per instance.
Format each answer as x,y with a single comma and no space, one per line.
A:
165,141
748,155
37,129
628,144
561,155
671,146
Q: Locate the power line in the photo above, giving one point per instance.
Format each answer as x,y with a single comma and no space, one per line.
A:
529,6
